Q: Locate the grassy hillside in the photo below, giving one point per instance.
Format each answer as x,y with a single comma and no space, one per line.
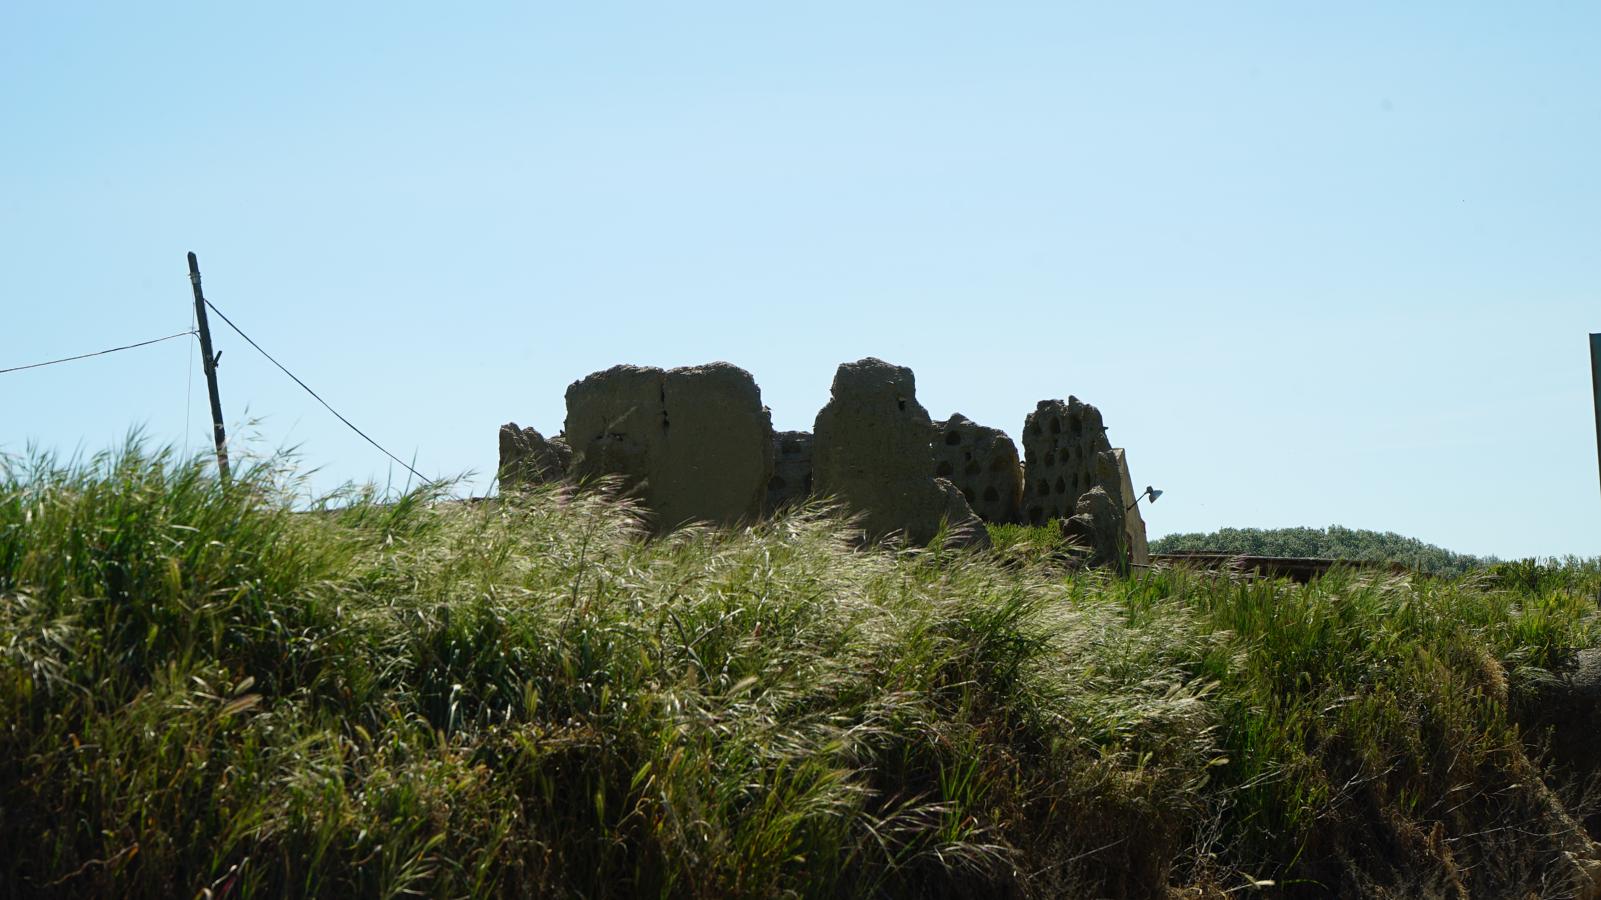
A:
203,692
1333,542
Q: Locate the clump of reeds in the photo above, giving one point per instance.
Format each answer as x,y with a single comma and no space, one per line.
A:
217,690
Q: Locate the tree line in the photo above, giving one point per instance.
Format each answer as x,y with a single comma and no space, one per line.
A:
1333,542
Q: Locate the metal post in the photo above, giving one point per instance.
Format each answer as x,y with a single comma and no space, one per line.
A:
209,361
1595,378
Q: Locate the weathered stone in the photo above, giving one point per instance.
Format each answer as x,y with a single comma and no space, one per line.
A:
1139,548
792,470
527,458
1097,526
982,462
1062,443
872,449
694,443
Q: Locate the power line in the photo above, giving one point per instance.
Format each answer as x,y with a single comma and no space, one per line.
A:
313,393
96,353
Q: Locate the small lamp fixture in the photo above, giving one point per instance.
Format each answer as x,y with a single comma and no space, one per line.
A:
1149,491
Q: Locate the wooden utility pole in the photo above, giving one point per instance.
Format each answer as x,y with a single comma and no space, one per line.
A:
209,360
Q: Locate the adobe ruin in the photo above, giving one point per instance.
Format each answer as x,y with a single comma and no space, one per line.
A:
873,449
695,444
1062,444
527,458
982,462
792,471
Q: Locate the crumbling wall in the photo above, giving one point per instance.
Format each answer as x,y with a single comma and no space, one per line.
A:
872,449
1139,548
792,470
694,443
1062,443
982,462
527,458
1097,526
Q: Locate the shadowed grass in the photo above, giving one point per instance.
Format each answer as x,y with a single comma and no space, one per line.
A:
206,690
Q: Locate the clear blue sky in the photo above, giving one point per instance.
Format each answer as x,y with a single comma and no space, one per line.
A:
1316,263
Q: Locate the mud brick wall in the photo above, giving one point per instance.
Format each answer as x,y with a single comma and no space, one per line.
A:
982,462
695,444
1062,444
792,470
873,451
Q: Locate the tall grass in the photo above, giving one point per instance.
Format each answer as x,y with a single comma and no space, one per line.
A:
208,690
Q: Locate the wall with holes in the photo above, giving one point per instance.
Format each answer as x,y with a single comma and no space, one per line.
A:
982,462
1062,444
